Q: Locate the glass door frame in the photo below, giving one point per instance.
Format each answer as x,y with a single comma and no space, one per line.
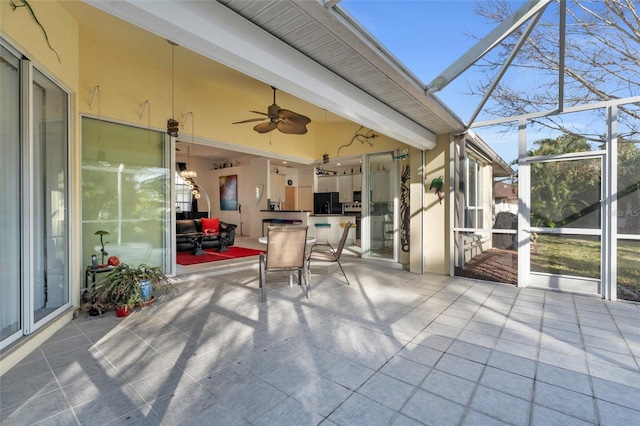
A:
30,324
367,203
525,230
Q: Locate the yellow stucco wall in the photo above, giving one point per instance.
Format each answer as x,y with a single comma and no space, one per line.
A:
22,31
436,215
126,82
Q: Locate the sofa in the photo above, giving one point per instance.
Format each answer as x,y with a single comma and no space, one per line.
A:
188,232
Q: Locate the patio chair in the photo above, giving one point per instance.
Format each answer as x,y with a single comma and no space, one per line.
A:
285,252
330,255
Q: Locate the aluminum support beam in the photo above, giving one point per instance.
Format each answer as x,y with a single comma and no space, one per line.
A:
492,39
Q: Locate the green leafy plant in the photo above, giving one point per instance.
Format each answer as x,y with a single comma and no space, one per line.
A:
123,287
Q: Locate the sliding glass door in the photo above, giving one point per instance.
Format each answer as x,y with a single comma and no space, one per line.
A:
10,243
34,170
49,189
380,207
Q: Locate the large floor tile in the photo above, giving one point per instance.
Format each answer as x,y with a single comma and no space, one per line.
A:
393,348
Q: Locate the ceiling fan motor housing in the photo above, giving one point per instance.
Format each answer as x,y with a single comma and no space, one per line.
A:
273,112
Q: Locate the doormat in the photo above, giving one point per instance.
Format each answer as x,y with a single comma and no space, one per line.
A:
186,258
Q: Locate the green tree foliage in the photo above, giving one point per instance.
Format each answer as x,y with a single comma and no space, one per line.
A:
628,187
565,193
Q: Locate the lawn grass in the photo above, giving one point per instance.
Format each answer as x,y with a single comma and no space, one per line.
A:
580,256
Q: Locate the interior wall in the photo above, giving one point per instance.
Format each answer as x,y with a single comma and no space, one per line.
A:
259,168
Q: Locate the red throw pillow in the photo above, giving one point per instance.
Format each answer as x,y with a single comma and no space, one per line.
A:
210,225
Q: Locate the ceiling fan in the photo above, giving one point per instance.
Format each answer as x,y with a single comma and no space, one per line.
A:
282,119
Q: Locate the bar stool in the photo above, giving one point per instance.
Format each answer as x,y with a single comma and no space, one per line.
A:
349,239
387,234
323,234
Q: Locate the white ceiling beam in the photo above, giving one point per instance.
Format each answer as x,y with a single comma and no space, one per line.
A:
214,31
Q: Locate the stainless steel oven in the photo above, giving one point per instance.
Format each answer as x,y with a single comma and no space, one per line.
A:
354,209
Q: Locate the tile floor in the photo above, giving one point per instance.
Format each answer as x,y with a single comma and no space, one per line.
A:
392,348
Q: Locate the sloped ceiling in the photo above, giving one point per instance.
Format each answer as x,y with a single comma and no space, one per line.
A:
297,49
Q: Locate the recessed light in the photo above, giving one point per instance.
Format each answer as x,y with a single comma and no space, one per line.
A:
284,162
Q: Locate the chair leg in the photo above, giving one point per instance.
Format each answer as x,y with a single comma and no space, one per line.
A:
307,280
263,279
345,275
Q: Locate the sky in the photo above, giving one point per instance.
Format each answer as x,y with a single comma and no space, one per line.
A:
427,36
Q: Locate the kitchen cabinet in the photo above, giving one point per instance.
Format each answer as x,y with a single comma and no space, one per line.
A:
327,183
305,198
290,198
345,188
357,181
276,190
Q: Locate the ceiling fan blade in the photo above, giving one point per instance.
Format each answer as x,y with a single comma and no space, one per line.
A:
293,117
265,127
259,112
291,129
250,120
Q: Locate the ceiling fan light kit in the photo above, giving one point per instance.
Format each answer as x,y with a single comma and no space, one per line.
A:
284,120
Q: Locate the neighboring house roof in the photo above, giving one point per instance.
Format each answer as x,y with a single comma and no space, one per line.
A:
500,167
503,190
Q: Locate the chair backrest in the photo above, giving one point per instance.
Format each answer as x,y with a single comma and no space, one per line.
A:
286,247
343,239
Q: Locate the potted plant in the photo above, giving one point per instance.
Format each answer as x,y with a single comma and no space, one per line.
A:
126,287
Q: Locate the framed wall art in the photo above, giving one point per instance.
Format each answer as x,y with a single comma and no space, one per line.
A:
229,192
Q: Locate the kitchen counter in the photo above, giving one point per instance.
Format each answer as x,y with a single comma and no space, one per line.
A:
267,218
285,211
334,220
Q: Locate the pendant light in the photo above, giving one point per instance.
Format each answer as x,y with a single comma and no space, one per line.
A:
187,173
325,156
172,123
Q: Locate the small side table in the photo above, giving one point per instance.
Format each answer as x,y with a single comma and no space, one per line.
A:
196,239
93,271
223,239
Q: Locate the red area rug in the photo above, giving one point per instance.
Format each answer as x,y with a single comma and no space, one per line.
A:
186,258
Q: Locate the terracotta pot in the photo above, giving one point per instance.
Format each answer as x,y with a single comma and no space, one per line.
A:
122,311
144,303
